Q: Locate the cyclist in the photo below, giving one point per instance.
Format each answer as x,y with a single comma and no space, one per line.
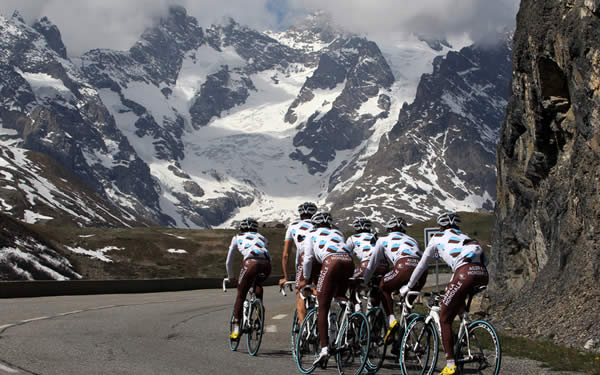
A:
256,266
362,244
466,258
403,252
296,233
327,246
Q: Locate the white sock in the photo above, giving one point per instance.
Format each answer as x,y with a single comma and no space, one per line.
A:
450,363
324,350
236,328
391,319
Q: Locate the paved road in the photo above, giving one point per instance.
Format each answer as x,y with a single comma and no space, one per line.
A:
159,333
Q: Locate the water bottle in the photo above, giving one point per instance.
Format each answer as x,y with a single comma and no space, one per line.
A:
332,327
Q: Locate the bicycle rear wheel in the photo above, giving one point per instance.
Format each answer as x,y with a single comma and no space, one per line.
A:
307,343
256,322
378,329
352,349
419,348
294,333
233,344
481,354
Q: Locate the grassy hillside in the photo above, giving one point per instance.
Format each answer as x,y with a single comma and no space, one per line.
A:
144,252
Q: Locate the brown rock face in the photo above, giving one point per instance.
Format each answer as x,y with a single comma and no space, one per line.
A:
545,263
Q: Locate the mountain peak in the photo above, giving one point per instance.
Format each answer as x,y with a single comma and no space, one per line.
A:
17,15
53,37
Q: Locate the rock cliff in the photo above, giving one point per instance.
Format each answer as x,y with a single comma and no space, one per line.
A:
545,265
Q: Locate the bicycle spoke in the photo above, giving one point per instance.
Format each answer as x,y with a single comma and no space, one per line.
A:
419,348
484,349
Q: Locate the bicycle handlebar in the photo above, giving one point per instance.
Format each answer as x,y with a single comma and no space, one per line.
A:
410,294
304,289
289,284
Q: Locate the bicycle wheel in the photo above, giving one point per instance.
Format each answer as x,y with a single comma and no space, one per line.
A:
352,348
294,333
419,348
479,351
378,329
233,344
256,322
307,343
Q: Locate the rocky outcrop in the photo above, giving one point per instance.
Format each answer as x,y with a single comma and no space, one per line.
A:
545,263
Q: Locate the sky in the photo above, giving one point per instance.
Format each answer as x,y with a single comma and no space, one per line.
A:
117,24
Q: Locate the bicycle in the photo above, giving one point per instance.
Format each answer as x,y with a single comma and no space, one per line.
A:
295,323
349,338
477,347
378,324
252,324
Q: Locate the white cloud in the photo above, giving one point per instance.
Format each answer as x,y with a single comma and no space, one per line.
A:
117,24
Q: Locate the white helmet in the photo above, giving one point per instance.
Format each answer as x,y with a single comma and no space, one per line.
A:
448,218
307,208
249,224
396,222
362,224
321,218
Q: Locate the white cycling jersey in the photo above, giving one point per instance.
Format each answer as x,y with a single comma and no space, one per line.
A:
322,243
251,245
363,246
454,247
393,247
298,231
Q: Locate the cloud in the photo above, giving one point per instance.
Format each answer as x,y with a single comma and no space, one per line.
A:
117,24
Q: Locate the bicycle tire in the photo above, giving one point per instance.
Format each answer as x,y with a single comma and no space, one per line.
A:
352,348
294,334
419,348
256,326
308,345
378,329
233,344
484,346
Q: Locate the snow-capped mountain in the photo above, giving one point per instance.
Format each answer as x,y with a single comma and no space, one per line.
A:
198,126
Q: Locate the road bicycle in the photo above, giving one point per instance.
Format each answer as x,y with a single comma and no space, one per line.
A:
378,324
252,324
349,339
309,303
477,348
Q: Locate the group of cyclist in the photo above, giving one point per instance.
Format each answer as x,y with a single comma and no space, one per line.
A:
325,257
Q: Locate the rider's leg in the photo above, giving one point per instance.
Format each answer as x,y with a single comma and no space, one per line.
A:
245,280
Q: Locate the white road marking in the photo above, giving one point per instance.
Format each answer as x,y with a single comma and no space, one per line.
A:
70,312
280,316
6,326
271,328
34,319
8,369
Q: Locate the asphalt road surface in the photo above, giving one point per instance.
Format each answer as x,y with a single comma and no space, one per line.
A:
158,333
